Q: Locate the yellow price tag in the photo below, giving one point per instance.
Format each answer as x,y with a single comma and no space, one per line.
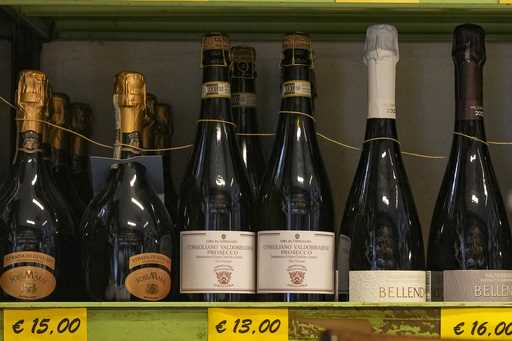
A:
504,2
381,1
45,324
478,323
247,324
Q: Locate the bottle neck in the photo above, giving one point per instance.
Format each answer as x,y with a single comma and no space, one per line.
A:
468,91
380,127
381,88
296,94
130,139
243,102
216,93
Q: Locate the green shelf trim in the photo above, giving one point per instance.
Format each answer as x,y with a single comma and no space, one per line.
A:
292,306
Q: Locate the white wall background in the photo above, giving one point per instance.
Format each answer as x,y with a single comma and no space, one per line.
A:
85,71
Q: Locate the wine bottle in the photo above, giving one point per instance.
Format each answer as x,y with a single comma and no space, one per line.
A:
60,160
217,243
162,140
81,115
36,232
295,209
470,239
243,79
127,234
148,124
387,261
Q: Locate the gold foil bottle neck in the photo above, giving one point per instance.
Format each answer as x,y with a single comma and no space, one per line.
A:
32,99
297,40
59,112
243,54
163,112
216,41
81,115
130,100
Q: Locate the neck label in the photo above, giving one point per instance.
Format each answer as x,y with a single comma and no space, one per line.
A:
296,88
243,99
216,89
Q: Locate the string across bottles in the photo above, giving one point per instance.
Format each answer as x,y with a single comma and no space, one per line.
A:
187,146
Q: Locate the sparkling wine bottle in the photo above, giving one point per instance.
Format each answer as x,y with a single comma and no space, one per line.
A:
217,242
470,239
81,116
127,235
36,230
60,160
387,262
162,139
295,210
243,86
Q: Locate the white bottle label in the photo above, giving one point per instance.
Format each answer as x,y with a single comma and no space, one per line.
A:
216,89
381,88
387,286
243,99
478,285
343,263
296,261
296,88
217,261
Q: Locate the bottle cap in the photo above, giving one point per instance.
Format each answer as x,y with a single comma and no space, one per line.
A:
59,112
297,40
129,93
216,41
243,54
32,98
151,101
381,42
469,43
81,114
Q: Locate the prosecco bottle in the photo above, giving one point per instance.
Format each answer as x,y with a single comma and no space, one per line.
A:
217,243
127,234
162,139
295,210
387,258
60,160
243,108
470,239
36,232
149,122
81,115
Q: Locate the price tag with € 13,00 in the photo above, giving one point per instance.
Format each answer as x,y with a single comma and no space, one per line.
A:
45,324
476,323
247,324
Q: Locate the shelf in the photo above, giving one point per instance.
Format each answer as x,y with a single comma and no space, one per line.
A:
167,19
188,320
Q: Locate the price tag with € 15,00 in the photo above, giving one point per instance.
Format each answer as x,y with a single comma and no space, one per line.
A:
247,324
45,324
476,323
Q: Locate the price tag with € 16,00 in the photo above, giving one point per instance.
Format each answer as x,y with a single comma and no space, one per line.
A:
476,323
247,324
45,324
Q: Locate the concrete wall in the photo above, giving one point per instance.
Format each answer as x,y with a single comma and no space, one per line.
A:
424,97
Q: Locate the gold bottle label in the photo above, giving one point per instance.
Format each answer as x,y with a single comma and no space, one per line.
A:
28,282
296,88
243,99
216,90
149,283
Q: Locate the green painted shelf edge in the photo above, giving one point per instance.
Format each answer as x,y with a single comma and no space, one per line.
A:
295,305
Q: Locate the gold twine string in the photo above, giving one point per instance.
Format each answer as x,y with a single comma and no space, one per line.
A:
297,113
216,121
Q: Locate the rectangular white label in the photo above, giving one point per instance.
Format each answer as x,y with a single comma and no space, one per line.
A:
296,261
296,88
387,286
216,89
217,261
243,99
477,285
